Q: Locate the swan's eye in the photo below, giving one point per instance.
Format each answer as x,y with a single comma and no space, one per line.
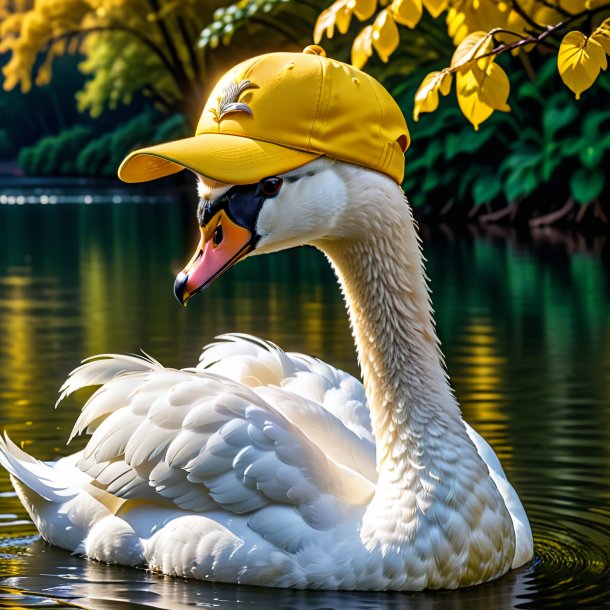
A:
270,187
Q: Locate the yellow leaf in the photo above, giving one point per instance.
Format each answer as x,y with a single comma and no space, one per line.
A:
446,83
468,89
343,18
473,46
602,35
325,24
363,9
407,12
362,48
457,27
11,24
494,86
385,35
436,7
579,61
426,96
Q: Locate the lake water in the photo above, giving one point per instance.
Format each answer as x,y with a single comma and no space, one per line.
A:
525,329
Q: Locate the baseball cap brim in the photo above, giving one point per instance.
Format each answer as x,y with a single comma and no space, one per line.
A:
225,157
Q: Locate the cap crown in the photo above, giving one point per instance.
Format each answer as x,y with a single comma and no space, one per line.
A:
311,103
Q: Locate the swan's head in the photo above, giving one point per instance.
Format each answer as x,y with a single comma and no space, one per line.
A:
278,212
322,201
270,131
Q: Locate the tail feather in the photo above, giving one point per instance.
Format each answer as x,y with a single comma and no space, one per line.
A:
38,477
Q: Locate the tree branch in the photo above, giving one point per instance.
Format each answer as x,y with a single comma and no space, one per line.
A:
275,25
556,7
188,43
180,74
160,98
519,10
117,28
535,40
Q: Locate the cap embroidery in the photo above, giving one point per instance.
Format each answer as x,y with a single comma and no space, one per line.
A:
229,103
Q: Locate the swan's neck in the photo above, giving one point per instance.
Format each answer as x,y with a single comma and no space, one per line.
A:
434,497
383,281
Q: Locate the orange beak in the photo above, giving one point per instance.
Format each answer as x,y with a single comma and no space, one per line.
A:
222,244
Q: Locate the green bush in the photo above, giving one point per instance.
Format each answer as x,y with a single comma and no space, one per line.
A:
76,151
550,147
103,156
56,154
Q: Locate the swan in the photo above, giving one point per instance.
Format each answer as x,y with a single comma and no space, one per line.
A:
262,467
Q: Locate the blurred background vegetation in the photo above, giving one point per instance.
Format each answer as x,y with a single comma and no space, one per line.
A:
86,81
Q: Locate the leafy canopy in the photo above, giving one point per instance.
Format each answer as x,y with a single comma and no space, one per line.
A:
481,30
165,49
550,149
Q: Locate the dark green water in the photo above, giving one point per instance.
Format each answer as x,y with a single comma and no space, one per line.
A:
526,333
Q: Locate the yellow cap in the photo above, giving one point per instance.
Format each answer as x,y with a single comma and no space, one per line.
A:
276,112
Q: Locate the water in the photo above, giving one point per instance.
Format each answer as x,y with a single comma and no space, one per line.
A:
525,330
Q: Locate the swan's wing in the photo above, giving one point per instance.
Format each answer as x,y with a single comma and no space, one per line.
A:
201,442
257,363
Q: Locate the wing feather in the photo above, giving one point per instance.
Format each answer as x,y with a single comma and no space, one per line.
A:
203,441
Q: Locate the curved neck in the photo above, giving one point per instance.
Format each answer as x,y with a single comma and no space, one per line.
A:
382,277
434,497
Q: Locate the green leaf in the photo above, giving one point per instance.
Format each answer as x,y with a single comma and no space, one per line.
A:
604,83
465,179
593,124
433,152
587,185
431,181
428,127
570,146
591,155
530,91
466,141
552,159
521,159
486,188
546,73
523,175
555,117
520,184
604,142
413,165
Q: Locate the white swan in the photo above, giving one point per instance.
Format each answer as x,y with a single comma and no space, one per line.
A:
258,467
262,467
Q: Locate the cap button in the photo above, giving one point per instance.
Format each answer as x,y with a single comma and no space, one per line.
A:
314,49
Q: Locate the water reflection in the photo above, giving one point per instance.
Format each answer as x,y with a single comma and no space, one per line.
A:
94,585
525,332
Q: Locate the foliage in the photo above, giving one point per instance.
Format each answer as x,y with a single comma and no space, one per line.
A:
293,18
76,151
481,30
156,39
159,55
55,155
548,147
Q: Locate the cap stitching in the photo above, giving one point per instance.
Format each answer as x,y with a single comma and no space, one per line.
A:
383,152
315,117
